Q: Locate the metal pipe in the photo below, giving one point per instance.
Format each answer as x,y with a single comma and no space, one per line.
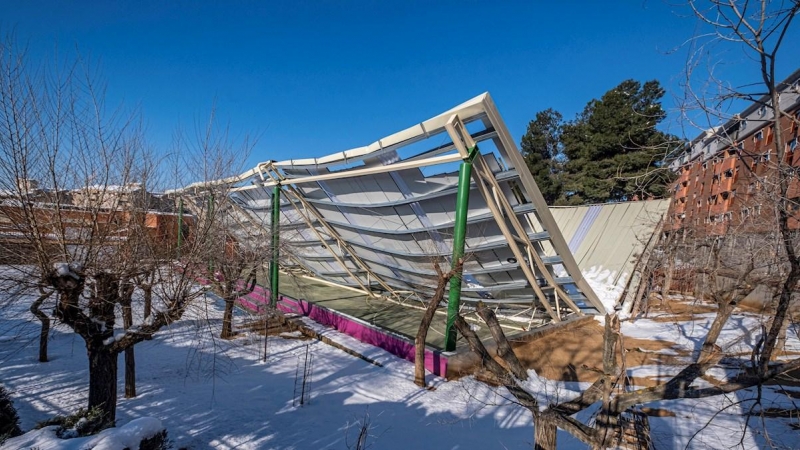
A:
459,236
275,230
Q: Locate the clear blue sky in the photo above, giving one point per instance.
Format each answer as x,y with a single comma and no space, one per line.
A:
312,78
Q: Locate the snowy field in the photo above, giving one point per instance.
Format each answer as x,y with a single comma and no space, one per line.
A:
211,393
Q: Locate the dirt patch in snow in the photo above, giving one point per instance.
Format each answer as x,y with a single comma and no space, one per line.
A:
276,328
678,310
575,353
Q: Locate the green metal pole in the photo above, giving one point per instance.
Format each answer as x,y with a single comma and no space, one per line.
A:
180,226
275,229
459,235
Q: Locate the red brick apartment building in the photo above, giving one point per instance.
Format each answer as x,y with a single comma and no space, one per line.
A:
722,173
66,216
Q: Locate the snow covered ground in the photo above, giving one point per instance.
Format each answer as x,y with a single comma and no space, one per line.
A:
211,393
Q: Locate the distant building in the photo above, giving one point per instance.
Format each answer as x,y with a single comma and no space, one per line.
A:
110,197
722,172
67,217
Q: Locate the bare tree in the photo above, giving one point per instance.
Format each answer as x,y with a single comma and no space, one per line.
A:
759,30
234,273
74,178
427,318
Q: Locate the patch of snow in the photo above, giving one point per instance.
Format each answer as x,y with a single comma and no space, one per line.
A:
291,334
63,269
212,393
607,285
127,436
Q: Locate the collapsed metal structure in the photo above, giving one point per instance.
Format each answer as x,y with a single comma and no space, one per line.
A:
377,217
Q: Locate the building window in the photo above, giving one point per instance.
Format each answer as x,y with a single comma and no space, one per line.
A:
758,136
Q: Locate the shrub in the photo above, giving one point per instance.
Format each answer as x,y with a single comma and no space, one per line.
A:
9,420
158,442
82,423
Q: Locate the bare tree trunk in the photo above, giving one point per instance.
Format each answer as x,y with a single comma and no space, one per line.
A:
425,324
227,319
130,373
669,265
523,397
667,285
607,420
710,342
545,433
45,320
504,349
130,357
148,300
782,311
422,335
103,381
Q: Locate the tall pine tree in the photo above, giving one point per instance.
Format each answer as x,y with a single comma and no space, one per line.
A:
614,151
541,147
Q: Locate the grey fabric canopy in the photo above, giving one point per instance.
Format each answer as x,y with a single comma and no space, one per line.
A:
378,217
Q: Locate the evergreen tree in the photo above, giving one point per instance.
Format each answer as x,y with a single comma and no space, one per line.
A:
614,151
541,147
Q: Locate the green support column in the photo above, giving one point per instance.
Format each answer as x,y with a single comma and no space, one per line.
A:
459,236
275,230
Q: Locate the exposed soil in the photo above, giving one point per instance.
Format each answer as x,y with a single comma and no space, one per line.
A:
674,310
292,328
575,353
275,328
657,412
